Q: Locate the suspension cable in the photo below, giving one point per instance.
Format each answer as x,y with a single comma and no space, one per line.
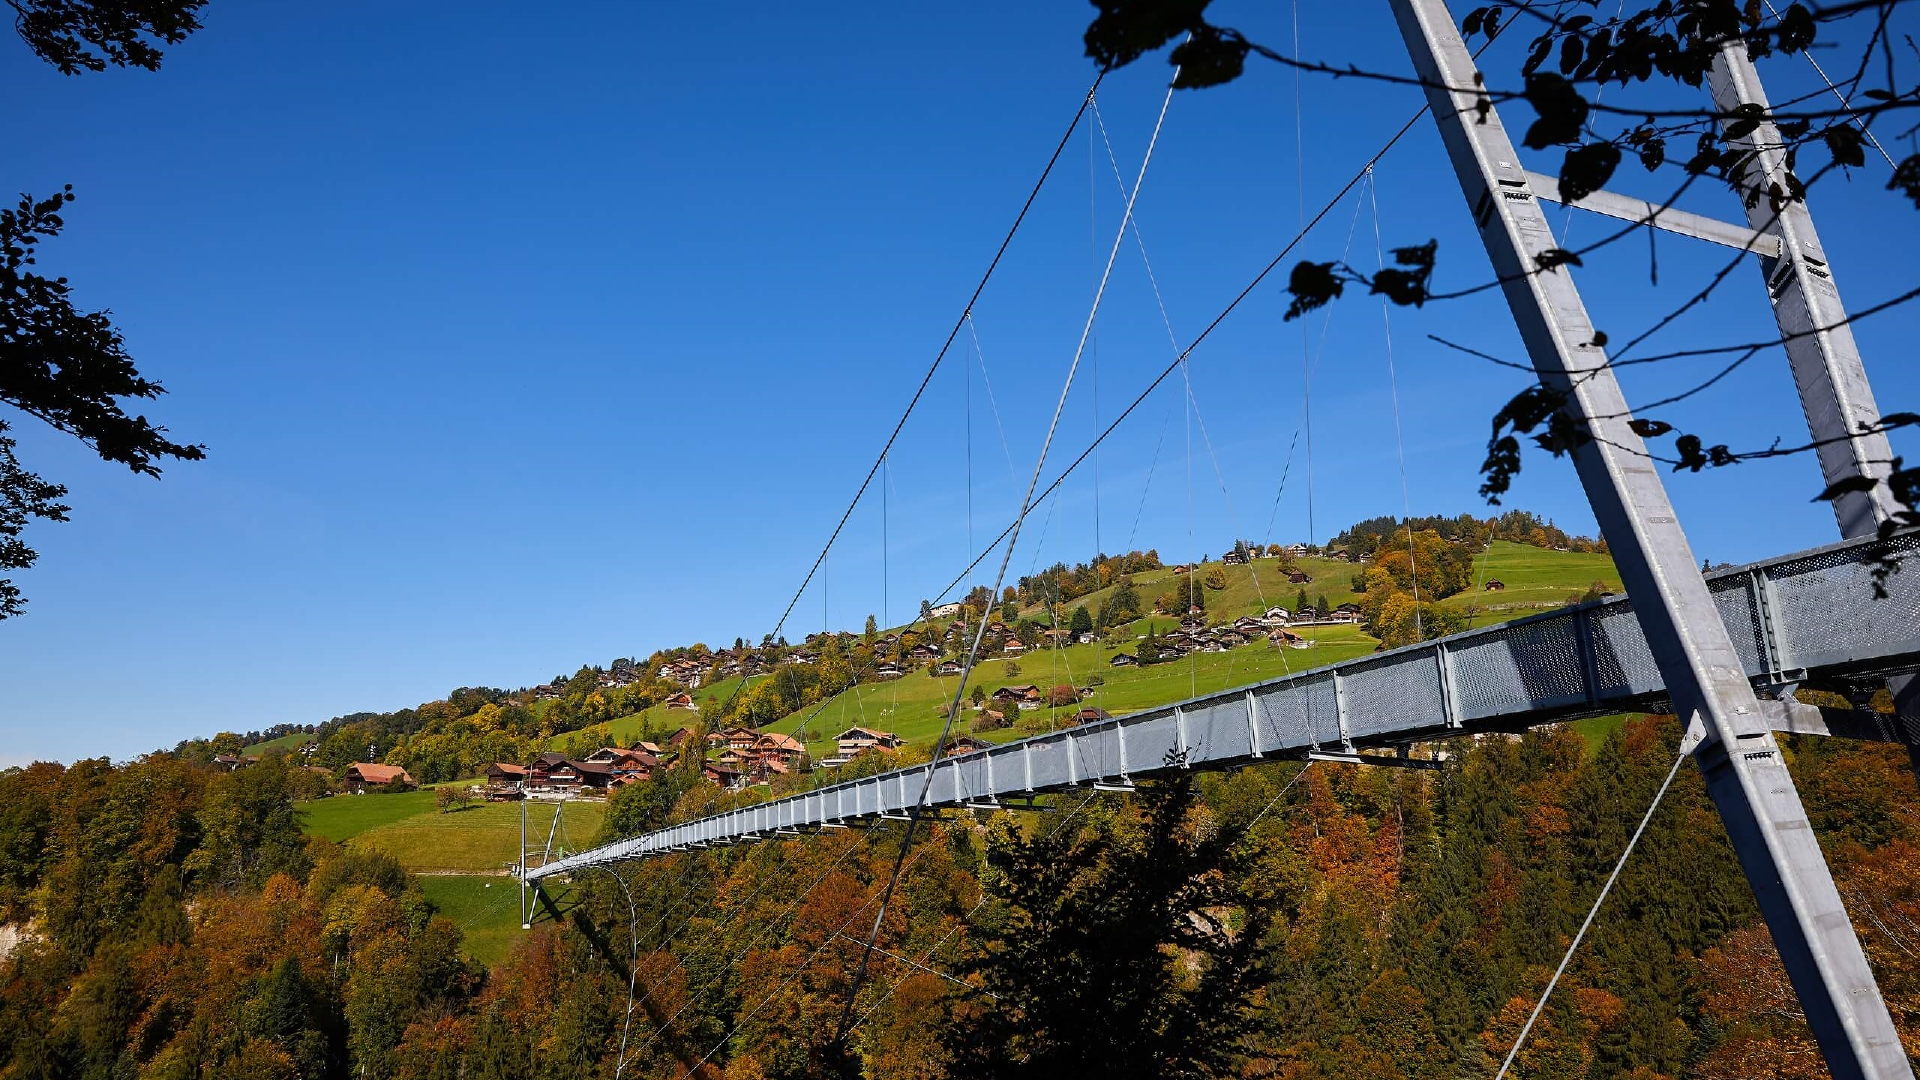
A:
1393,391
1006,557
921,390
1574,946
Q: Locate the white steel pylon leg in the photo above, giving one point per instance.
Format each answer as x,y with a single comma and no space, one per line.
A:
1826,363
1806,302
1740,759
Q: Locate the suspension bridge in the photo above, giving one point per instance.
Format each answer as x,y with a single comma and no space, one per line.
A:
1725,650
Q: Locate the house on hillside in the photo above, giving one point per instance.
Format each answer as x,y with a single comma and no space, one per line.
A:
1495,585
1012,647
887,673
364,776
1091,714
636,763
681,700
858,740
965,744
1277,615
679,737
593,776
1124,660
505,781
731,779
231,762
784,749
948,667
1287,639
943,611
1299,577
551,772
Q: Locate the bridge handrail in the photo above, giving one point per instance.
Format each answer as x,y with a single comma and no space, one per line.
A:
1814,610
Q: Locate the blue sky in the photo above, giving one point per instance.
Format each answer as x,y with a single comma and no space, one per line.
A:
521,341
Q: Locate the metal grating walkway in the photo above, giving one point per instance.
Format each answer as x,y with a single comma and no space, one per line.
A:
1813,613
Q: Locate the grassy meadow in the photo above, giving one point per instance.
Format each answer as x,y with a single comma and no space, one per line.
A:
481,839
486,909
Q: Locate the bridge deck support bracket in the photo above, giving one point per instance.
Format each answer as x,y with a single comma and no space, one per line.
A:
1702,670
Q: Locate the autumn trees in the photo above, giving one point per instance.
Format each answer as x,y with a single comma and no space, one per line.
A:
1408,575
1318,921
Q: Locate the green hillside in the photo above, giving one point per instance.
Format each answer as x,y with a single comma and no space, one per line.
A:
1535,578
908,706
1251,588
287,742
480,839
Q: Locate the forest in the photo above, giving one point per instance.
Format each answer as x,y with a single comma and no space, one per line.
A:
164,919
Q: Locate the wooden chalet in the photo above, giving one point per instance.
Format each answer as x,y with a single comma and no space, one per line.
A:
782,748
858,740
552,772
965,744
722,775
364,776
505,781
592,775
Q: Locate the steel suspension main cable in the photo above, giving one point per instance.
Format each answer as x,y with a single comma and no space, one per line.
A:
920,390
1026,504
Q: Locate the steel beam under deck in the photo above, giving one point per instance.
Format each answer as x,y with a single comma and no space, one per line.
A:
1811,614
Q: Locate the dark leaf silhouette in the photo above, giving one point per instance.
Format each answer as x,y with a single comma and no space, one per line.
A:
88,35
1126,30
1586,169
1906,179
1210,57
1312,285
1694,457
1554,257
1845,486
1563,112
1408,288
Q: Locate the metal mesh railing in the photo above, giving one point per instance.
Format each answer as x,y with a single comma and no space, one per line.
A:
1846,607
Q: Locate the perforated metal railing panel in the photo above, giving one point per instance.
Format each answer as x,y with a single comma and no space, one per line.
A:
1852,607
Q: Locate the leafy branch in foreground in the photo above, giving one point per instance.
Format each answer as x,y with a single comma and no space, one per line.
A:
58,364
1566,65
87,35
68,368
